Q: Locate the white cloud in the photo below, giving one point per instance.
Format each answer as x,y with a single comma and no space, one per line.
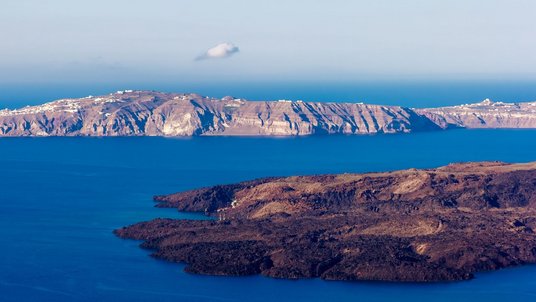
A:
220,51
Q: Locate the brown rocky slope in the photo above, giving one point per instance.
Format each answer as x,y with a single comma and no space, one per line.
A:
412,225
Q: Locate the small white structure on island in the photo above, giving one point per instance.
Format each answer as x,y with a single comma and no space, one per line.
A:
124,91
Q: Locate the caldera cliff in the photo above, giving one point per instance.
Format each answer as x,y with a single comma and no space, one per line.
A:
149,113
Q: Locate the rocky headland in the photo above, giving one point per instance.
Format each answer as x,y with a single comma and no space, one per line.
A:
149,113
429,225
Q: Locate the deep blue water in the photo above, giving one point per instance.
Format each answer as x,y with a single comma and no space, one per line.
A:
60,199
410,93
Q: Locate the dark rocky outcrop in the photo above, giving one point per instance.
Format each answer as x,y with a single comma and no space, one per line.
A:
413,225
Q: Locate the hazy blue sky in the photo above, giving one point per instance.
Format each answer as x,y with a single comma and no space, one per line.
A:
158,40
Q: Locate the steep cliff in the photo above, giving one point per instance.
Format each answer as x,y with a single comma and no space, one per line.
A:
486,114
147,113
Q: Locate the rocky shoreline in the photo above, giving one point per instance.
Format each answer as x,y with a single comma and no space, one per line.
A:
431,225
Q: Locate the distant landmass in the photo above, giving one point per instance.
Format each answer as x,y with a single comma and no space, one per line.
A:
148,113
413,225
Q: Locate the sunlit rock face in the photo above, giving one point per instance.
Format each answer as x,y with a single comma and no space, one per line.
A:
147,113
486,114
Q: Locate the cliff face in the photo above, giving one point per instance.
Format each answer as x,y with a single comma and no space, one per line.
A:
159,114
412,225
486,114
136,113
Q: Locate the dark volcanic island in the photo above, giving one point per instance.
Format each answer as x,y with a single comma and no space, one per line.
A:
413,225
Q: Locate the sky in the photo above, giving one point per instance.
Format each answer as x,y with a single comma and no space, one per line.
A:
221,41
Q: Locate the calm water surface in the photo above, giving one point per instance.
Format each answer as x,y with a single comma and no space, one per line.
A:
60,199
411,93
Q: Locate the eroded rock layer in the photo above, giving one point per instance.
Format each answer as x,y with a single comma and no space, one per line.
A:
148,113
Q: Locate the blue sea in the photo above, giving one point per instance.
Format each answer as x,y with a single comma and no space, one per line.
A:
60,199
409,92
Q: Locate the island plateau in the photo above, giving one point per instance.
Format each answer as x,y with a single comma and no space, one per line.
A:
149,113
